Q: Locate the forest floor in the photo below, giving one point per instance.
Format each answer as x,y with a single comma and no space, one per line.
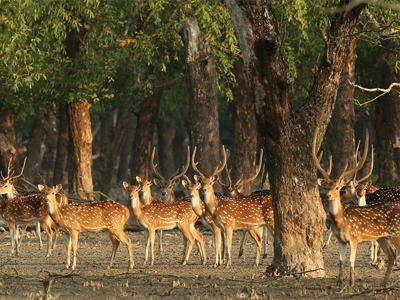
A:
34,276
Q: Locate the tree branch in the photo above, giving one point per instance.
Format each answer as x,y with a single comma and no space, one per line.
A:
384,91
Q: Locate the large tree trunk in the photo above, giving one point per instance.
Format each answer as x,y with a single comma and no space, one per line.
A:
165,134
80,149
51,143
8,140
387,123
287,134
34,151
141,152
340,131
243,156
60,164
203,98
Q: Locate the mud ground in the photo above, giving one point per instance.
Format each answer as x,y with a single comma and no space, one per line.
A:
34,276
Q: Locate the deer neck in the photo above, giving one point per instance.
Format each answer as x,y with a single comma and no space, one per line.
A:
145,197
136,207
11,194
54,211
336,210
210,200
361,200
169,197
197,205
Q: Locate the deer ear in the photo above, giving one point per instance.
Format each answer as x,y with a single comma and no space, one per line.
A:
125,185
138,179
185,183
369,182
354,183
157,182
321,182
344,181
41,187
175,182
214,179
197,178
58,187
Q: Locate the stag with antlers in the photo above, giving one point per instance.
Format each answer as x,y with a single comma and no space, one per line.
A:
353,224
231,213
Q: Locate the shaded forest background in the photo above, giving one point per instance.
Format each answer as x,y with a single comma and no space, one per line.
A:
89,87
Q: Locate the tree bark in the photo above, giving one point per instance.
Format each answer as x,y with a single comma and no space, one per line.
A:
387,123
60,165
243,156
141,150
340,131
165,150
125,152
203,98
8,140
34,151
80,149
287,134
50,142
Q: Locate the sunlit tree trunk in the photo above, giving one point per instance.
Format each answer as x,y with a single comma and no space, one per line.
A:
287,133
8,139
203,98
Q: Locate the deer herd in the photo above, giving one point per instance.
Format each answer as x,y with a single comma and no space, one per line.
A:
372,215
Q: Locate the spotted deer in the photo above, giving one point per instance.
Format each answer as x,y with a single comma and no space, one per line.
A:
26,209
166,216
97,216
235,191
200,209
353,224
231,214
167,186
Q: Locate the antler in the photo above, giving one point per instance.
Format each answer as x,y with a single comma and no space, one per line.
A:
317,160
194,164
372,166
238,186
10,171
219,169
360,164
175,176
155,166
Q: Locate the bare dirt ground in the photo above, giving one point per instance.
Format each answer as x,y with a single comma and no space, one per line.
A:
34,276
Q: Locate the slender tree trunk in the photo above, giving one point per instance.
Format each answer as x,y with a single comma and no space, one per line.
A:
60,165
165,134
111,158
287,134
387,123
80,149
125,152
243,156
35,153
203,98
340,131
51,142
8,140
141,152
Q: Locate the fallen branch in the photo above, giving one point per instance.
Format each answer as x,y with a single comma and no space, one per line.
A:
384,91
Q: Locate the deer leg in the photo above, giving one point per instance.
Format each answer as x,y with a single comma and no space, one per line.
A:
255,234
199,237
74,248
39,235
190,240
47,227
391,254
342,257
69,250
328,240
353,250
127,241
241,249
228,242
374,251
147,242
160,247
12,238
185,247
265,241
115,243
217,244
152,237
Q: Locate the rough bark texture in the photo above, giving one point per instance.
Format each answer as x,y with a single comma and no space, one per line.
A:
340,132
243,155
165,134
203,98
141,152
387,124
8,140
60,165
35,151
80,149
287,134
